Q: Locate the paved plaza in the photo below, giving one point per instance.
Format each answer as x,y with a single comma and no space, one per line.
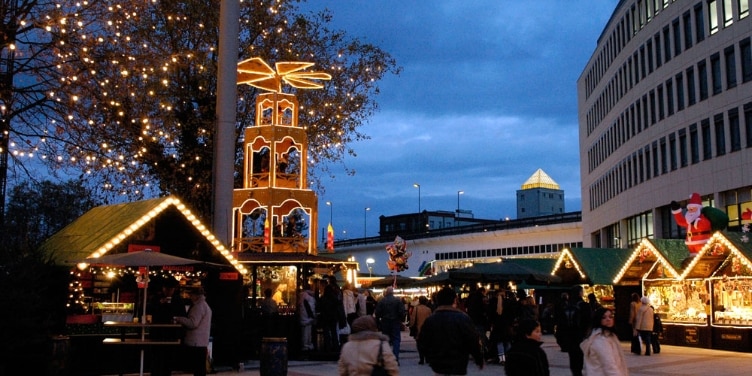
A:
672,361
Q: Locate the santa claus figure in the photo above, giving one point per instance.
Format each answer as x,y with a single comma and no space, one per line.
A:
699,227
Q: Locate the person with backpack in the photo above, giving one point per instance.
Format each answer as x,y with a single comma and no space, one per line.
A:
657,330
575,326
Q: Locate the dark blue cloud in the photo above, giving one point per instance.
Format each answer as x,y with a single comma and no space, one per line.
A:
487,96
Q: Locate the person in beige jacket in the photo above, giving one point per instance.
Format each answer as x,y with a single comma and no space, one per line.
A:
361,352
644,323
419,314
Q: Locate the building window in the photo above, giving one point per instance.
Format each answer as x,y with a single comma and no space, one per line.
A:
683,161
699,23
694,144
720,135
691,92
677,37
707,145
702,76
743,8
745,49
652,107
639,227
734,130
670,97
656,171
748,124
715,68
679,91
730,60
657,39
713,16
650,56
661,103
672,151
728,13
664,155
666,44
687,21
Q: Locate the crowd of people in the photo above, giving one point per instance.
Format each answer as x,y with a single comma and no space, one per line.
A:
504,328
488,327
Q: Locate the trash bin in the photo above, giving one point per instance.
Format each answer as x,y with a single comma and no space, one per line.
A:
60,353
273,356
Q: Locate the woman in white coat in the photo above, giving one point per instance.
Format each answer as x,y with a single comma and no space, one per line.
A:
603,354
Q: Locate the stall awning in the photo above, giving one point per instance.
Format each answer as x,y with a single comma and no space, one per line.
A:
726,253
653,258
112,228
593,266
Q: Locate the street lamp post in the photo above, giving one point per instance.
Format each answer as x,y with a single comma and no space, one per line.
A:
416,185
458,202
369,263
365,222
331,209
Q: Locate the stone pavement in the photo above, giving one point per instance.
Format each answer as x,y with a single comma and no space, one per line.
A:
672,361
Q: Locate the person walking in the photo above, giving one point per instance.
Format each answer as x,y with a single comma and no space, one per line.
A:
390,312
644,323
602,351
476,309
657,331
448,337
163,308
526,357
307,316
634,306
197,329
361,351
576,322
417,317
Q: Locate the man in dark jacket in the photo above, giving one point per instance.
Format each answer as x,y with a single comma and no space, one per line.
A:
448,337
390,313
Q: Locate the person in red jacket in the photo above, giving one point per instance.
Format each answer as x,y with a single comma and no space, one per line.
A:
699,227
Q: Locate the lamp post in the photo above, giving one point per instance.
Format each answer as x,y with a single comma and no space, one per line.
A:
331,209
458,202
369,263
365,222
416,185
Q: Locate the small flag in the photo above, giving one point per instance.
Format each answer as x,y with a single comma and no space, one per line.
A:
330,238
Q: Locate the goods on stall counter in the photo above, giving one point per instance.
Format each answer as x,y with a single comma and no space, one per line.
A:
398,255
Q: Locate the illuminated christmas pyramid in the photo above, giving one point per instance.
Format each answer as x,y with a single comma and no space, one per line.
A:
275,211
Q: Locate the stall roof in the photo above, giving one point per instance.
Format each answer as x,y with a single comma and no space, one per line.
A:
595,266
726,253
104,228
544,265
668,252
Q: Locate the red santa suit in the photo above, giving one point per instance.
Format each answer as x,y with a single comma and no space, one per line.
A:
699,228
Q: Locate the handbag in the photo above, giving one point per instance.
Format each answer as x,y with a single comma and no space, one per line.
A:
378,368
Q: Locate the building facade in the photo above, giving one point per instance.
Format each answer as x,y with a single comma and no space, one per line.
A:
665,110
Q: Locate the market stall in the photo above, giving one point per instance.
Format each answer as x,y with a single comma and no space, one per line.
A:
595,269
726,261
285,274
656,263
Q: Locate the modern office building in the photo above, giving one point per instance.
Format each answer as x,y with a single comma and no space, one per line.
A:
665,110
